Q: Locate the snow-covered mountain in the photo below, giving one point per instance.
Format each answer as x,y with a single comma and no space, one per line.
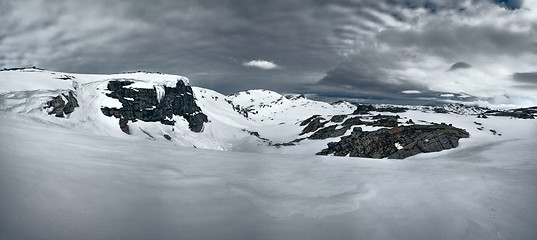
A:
229,124
165,108
113,157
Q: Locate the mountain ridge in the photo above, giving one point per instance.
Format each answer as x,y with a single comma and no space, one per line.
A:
163,107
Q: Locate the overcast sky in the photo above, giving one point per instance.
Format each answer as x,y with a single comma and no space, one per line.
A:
399,51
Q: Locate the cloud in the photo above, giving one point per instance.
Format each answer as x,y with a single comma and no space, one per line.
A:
261,64
411,91
526,77
459,65
369,48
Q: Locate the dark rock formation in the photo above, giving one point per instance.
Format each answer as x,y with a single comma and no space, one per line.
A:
59,107
392,109
352,121
142,104
167,137
291,143
313,125
523,113
338,118
382,143
385,121
308,120
363,109
440,110
329,132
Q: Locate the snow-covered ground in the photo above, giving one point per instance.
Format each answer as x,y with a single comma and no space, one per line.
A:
80,177
61,184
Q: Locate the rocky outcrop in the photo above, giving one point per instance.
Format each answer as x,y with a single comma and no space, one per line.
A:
399,142
313,125
352,121
392,109
62,105
308,120
385,121
329,132
143,104
363,109
338,118
522,113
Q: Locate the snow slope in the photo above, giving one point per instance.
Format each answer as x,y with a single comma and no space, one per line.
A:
57,183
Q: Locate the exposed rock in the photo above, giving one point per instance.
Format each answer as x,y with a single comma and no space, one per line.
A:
385,121
291,143
338,118
522,113
167,137
307,121
143,104
313,125
352,121
363,109
71,104
440,110
392,109
59,107
329,132
123,124
382,143
256,134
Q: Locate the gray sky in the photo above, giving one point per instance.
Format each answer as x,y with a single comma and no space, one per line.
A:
399,51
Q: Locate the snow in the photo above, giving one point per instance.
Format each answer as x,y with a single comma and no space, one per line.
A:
160,92
80,185
82,178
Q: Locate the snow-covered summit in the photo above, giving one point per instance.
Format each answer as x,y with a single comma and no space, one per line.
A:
25,79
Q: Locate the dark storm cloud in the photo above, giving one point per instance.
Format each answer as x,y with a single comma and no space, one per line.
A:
526,77
450,41
459,65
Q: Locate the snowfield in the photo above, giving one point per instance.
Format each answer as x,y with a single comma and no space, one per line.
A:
80,177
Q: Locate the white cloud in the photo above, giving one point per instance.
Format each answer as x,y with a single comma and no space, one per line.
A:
261,64
411,92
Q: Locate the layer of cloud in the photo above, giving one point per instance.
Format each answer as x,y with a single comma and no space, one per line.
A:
261,64
370,49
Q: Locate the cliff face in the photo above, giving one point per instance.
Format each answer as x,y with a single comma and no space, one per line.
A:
158,104
399,142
